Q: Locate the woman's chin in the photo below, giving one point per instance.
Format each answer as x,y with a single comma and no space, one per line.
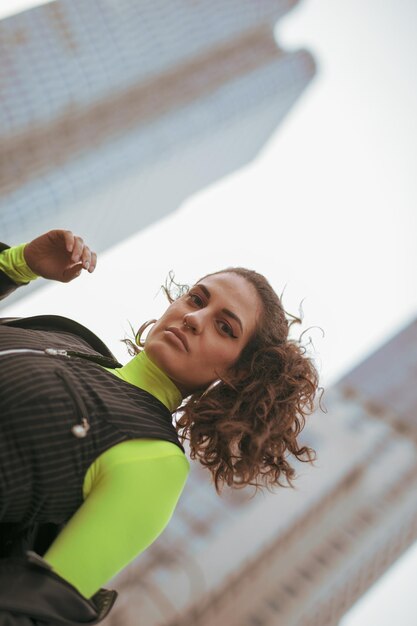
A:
165,356
168,356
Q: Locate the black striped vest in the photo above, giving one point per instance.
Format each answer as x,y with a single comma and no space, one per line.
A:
42,397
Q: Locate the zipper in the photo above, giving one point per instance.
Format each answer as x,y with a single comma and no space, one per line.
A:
78,430
95,358
52,351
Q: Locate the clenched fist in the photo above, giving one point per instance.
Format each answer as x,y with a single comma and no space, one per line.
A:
59,255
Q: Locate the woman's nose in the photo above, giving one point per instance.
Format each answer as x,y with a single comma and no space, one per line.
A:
192,322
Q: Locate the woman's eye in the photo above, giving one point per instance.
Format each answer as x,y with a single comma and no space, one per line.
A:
229,331
226,328
194,295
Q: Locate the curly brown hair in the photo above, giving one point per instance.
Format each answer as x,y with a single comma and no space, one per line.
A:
241,426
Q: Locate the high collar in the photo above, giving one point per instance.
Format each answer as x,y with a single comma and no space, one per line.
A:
144,373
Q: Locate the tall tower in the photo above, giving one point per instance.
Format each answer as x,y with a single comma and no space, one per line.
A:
113,113
298,557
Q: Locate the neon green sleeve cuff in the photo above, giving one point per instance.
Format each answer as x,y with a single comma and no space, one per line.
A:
12,263
128,508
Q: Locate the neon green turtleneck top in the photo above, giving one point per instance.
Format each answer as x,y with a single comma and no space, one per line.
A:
130,491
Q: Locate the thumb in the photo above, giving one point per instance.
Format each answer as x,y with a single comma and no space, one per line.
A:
72,272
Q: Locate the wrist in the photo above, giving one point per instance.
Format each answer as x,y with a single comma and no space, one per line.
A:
14,264
24,266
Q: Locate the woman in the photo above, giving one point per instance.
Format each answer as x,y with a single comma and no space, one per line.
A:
108,483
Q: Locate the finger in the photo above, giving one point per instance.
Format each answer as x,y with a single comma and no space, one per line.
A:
93,262
69,240
86,257
77,250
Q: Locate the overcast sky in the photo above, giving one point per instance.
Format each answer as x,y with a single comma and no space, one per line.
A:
327,210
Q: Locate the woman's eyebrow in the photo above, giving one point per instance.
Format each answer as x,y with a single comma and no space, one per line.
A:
226,311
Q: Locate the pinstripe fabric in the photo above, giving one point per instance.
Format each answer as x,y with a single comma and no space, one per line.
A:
42,463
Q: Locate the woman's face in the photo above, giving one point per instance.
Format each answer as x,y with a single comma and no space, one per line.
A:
214,337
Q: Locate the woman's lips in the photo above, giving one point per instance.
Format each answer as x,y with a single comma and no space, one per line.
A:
179,336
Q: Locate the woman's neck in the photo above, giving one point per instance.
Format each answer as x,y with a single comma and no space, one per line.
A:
144,373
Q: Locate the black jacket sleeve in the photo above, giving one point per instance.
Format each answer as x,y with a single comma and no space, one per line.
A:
30,591
7,285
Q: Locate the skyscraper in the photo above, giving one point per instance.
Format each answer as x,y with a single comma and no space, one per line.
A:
112,114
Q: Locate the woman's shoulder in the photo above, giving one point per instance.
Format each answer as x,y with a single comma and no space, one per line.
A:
134,453
145,448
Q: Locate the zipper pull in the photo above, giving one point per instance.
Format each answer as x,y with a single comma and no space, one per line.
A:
81,430
56,351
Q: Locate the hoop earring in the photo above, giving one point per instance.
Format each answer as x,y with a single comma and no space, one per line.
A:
210,387
140,331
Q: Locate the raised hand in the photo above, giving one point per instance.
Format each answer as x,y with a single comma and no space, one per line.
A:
59,255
